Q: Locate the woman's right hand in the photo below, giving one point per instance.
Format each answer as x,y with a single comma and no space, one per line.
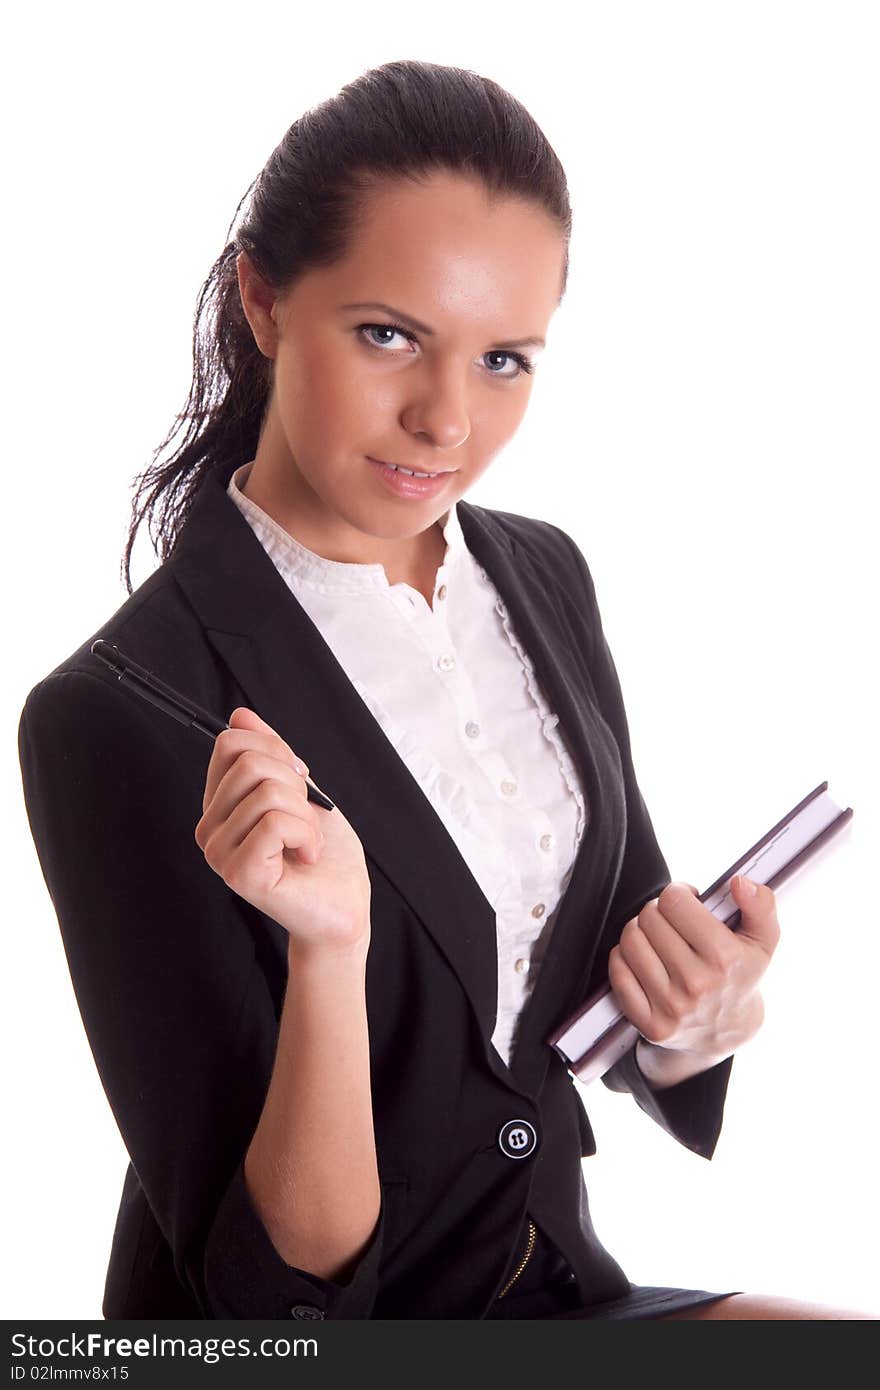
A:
300,864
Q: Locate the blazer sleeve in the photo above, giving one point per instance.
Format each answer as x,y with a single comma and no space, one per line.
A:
691,1111
176,1006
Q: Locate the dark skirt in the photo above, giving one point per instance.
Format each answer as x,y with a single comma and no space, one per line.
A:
547,1289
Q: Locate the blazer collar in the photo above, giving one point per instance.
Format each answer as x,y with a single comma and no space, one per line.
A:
292,679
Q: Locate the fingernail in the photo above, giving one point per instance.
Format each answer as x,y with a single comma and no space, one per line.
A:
300,767
749,888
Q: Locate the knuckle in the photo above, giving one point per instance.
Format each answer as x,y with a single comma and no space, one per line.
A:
646,927
276,823
719,960
670,896
232,877
272,819
272,795
661,1030
727,957
690,990
671,1000
675,1015
234,870
630,932
211,857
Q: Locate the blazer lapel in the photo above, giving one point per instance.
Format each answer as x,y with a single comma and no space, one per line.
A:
293,680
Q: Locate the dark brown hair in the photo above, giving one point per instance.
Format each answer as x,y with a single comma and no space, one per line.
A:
405,119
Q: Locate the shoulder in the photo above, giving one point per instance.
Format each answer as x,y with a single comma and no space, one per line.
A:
154,626
82,733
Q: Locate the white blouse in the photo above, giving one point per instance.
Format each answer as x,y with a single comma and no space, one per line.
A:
458,698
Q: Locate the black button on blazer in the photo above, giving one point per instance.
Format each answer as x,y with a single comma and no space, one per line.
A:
180,982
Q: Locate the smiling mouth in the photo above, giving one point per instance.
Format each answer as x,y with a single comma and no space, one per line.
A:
412,472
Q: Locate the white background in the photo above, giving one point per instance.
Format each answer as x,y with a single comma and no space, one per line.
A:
704,423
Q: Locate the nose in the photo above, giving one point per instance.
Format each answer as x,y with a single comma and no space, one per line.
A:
438,410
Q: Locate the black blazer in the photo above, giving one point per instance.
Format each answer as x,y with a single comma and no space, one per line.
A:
180,982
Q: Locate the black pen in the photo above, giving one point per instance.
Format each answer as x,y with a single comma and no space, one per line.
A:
172,702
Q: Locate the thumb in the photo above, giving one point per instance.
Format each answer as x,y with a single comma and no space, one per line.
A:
759,922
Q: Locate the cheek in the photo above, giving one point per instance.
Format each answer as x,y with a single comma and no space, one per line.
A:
494,422
518,406
318,376
498,412
322,399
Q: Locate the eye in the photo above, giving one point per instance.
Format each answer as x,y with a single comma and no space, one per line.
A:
391,328
523,364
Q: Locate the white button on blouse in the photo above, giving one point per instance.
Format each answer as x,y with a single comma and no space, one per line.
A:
457,696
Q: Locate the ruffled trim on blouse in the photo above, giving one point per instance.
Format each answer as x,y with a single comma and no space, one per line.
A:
549,720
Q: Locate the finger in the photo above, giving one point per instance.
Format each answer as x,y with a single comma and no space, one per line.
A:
679,958
244,718
289,827
641,958
235,747
242,777
229,743
759,922
631,998
257,865
712,940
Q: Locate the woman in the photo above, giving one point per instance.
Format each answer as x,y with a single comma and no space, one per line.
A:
322,1033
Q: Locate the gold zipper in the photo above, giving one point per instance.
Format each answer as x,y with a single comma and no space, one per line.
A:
523,1262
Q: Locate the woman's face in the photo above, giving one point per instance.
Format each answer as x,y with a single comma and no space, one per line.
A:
349,386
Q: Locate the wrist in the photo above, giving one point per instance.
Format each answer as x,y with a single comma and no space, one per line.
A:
351,948
312,954
664,1066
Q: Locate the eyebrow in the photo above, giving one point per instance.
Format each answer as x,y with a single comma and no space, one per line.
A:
409,322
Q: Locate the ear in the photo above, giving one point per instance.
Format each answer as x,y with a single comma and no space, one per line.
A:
258,301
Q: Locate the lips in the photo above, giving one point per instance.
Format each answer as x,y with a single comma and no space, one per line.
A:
404,485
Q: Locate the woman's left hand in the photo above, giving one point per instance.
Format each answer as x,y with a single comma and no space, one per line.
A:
689,983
